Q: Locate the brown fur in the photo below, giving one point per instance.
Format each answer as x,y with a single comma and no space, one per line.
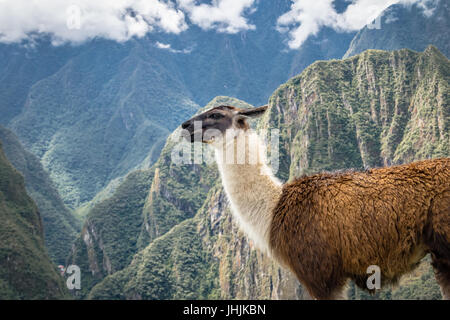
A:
328,227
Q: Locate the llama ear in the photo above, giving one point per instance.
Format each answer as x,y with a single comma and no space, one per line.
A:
253,112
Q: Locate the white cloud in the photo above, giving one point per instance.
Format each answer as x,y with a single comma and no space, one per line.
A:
80,20
223,15
168,47
163,45
428,6
306,17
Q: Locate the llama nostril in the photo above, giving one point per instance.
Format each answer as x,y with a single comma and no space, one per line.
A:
186,124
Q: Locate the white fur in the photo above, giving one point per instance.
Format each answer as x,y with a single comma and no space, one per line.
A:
252,189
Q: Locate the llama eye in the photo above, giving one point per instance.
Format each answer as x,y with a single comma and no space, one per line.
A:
216,116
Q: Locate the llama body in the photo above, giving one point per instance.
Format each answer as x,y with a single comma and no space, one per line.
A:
328,228
389,217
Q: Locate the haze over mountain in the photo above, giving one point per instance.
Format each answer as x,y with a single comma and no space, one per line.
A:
412,26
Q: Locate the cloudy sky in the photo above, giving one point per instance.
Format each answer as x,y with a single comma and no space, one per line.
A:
80,20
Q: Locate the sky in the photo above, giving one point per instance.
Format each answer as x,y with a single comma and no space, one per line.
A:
77,21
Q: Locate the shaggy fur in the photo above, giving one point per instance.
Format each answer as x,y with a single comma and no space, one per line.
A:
330,227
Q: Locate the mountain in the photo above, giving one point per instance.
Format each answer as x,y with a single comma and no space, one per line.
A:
96,111
59,224
26,271
96,125
377,108
22,66
109,237
413,26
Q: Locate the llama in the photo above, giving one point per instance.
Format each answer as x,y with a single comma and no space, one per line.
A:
328,228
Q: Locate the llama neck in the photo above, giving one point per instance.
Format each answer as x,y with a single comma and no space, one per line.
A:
252,189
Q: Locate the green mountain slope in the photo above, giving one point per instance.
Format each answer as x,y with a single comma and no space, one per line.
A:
377,108
406,26
109,237
106,109
60,225
21,66
205,257
373,109
26,271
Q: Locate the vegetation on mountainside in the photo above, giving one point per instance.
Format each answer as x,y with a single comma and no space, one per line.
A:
60,225
110,233
377,108
96,125
26,271
178,265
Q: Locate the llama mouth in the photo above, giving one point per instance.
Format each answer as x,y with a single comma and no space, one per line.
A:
197,136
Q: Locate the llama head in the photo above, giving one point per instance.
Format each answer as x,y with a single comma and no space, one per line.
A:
213,125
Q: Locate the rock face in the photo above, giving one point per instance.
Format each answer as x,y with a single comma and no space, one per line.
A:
26,271
60,225
377,108
374,109
413,26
